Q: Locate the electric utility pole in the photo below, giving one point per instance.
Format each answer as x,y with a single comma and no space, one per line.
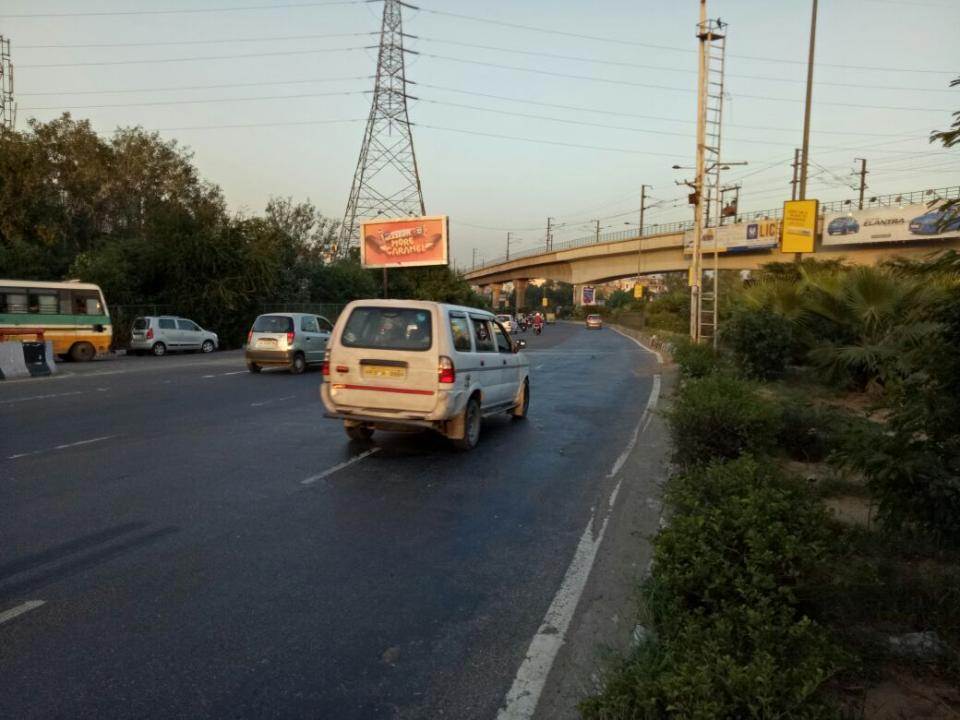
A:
549,234
508,245
8,108
796,169
597,231
863,179
643,209
387,180
806,111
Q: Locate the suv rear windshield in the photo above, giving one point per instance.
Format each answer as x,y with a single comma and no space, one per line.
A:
389,329
140,324
273,324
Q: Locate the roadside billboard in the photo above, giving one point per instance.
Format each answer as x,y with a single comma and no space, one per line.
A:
915,221
588,295
736,237
799,226
404,242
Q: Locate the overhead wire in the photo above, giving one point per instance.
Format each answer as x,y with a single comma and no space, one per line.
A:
180,11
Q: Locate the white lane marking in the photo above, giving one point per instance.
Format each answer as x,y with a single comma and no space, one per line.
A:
641,426
29,605
84,442
524,694
209,376
272,400
336,468
41,397
649,350
538,367
61,447
236,372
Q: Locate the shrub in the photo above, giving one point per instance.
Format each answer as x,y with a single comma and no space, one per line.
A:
720,417
741,556
761,341
808,433
696,360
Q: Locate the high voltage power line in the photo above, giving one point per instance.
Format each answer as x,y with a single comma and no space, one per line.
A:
182,11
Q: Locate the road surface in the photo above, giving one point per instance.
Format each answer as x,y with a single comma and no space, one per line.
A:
182,539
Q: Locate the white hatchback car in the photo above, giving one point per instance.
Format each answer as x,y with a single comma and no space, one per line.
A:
163,334
407,364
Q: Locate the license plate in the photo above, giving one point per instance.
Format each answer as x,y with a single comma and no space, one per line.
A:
384,371
266,342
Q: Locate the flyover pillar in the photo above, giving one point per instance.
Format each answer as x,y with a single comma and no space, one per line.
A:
495,289
520,293
577,295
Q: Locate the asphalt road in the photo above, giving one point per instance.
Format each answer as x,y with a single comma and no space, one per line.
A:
158,509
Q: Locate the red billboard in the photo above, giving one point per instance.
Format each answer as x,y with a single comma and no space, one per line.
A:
404,242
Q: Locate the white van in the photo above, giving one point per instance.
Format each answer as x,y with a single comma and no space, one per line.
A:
406,364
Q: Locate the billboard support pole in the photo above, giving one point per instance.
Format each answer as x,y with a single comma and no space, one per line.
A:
386,293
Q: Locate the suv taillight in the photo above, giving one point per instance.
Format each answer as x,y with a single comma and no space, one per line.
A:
250,338
150,334
325,367
290,337
446,373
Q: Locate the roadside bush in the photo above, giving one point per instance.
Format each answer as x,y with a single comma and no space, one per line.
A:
741,534
761,341
721,417
731,575
808,433
696,360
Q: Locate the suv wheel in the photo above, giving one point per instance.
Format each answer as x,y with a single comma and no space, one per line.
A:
159,349
471,426
207,346
253,367
299,364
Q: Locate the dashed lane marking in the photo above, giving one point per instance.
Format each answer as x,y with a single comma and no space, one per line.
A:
272,400
41,397
337,468
19,610
64,446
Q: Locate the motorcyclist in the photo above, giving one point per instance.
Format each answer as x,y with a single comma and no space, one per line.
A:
538,323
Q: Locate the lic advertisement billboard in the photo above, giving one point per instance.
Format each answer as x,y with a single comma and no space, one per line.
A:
588,295
915,221
404,242
736,237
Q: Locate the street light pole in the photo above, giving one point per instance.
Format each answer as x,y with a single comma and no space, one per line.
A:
508,245
805,152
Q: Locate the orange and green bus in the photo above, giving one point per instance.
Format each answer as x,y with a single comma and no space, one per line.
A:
71,314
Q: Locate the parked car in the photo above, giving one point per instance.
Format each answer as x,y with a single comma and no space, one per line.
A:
933,222
406,365
291,340
594,321
509,324
843,226
165,333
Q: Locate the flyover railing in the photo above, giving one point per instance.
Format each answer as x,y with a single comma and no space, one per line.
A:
916,196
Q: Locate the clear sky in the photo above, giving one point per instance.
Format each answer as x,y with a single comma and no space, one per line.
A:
296,69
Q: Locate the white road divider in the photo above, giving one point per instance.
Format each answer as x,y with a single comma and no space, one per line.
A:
12,363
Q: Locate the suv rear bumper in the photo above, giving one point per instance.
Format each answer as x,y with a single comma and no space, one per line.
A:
450,403
268,357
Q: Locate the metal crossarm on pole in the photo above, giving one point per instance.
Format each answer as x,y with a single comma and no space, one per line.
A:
8,108
386,182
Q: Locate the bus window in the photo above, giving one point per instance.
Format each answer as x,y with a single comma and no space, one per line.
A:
86,302
42,304
11,302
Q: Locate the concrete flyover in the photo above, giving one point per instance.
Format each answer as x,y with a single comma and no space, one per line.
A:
621,258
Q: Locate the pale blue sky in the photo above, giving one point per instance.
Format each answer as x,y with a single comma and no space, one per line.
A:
495,182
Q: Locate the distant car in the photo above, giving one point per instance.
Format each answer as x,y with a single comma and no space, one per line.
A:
509,324
843,226
594,321
933,222
162,334
291,340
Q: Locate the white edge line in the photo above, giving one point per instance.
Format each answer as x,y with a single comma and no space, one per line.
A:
20,610
41,397
649,350
523,696
84,442
236,372
336,468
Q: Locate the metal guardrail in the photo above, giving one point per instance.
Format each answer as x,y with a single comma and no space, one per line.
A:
916,196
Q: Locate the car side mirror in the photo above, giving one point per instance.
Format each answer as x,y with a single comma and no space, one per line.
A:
519,345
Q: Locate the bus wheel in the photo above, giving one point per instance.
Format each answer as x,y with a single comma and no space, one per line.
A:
82,352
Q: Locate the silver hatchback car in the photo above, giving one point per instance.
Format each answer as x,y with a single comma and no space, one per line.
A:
291,340
162,334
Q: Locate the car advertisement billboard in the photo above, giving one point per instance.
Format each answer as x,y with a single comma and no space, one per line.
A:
404,242
588,295
799,226
916,221
736,237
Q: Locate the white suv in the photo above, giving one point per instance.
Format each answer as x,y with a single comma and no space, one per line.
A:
161,335
404,364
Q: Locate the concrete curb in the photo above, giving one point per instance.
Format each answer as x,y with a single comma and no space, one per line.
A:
12,363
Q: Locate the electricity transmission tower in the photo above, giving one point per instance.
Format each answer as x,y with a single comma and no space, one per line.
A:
386,181
8,109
